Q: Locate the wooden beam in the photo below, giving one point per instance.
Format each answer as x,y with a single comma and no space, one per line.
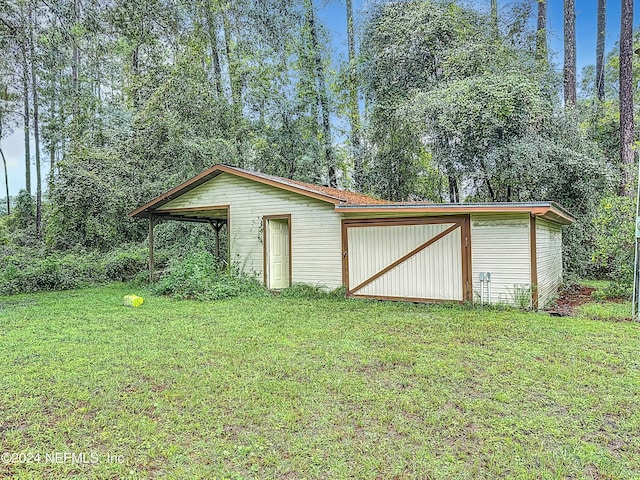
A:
217,226
184,219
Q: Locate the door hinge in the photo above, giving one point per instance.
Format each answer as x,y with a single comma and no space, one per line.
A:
466,242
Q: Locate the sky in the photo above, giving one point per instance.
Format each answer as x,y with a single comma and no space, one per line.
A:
332,12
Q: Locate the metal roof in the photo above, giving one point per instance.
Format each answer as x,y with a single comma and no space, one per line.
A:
549,210
344,201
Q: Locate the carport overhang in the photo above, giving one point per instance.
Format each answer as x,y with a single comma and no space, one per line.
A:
216,216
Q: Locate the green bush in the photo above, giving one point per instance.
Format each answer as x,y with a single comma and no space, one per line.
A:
24,269
615,236
4,231
28,270
125,265
201,277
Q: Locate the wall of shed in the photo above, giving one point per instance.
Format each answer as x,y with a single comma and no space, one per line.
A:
549,258
500,244
316,250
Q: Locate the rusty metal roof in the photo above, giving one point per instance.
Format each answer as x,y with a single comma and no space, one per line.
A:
327,194
347,202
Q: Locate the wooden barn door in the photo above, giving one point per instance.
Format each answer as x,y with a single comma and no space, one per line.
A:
419,259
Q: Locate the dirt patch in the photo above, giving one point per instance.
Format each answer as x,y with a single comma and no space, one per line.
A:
570,299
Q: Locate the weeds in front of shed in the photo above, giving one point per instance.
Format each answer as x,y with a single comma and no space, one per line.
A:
310,292
201,277
521,295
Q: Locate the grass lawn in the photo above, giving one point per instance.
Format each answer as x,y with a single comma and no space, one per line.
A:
290,388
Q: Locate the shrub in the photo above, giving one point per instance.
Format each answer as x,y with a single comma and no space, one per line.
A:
201,277
28,270
4,231
125,265
614,224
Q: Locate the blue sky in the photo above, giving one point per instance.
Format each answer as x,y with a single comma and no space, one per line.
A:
332,13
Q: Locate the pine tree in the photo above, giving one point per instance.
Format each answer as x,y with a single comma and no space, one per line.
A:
569,53
626,94
602,8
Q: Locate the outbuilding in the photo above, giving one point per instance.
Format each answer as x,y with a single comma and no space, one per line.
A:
285,232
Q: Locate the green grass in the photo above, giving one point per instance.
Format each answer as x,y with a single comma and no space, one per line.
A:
321,388
610,311
597,284
616,310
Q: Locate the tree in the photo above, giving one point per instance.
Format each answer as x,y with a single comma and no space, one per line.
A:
626,95
569,53
602,12
494,18
36,120
7,118
323,99
410,49
354,109
541,31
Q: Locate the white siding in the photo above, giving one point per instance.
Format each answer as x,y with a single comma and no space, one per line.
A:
549,258
434,273
316,250
500,244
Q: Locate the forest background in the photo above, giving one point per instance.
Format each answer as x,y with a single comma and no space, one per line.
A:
435,100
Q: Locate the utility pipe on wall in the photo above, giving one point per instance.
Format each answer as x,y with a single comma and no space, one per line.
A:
485,278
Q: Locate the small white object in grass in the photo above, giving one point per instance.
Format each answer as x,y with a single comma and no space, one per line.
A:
133,301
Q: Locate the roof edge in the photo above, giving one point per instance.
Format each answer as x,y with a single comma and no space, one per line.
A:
549,210
175,192
240,172
212,172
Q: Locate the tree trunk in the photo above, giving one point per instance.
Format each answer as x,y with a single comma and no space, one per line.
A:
213,45
494,18
53,112
569,53
235,84
6,181
75,75
541,31
354,116
626,95
27,117
329,156
602,9
234,81
454,195
36,128
135,71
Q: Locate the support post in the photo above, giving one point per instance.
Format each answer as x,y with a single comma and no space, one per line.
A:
152,222
217,226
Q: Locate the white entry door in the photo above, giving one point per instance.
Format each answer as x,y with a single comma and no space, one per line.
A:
277,252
